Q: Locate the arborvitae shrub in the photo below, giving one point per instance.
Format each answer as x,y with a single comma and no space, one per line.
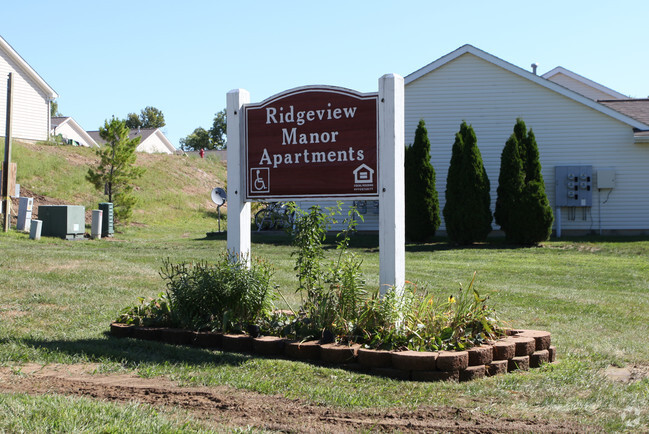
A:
422,203
467,212
522,207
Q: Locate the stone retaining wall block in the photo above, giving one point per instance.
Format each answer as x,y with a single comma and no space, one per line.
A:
482,355
504,350
521,363
452,360
497,367
436,375
414,360
472,373
375,358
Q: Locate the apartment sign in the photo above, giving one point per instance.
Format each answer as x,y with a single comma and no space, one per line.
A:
312,142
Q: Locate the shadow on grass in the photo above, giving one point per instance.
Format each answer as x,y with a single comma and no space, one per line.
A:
134,351
370,241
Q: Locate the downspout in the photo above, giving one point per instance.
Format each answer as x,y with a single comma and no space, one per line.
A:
49,117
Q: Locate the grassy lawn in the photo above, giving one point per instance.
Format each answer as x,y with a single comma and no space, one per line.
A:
58,297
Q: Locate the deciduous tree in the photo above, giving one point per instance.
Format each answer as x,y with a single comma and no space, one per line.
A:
199,139
218,131
214,138
149,117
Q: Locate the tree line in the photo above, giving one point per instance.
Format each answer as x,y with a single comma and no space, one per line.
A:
522,207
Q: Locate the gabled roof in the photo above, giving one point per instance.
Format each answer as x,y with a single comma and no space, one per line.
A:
469,49
590,83
59,121
144,133
28,70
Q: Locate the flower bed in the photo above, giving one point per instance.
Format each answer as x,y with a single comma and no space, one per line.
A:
518,350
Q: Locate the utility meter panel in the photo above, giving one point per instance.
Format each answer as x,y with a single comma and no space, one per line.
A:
573,186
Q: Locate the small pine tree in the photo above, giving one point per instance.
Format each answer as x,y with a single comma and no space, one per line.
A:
522,207
116,169
422,203
467,211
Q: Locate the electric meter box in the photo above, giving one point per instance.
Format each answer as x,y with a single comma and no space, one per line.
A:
605,178
107,226
573,186
63,221
25,207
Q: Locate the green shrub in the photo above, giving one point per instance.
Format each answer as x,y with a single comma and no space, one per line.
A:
226,295
522,207
418,321
467,211
422,203
337,304
330,296
152,313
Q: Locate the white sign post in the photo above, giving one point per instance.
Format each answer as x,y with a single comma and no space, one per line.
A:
238,209
391,187
392,257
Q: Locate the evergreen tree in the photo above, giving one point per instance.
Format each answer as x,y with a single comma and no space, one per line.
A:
522,207
511,179
116,170
467,210
422,203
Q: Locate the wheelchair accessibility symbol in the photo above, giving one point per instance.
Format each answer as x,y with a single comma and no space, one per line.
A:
260,180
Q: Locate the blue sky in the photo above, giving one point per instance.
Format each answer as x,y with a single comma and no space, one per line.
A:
114,58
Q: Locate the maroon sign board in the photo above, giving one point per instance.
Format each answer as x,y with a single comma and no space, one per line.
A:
312,142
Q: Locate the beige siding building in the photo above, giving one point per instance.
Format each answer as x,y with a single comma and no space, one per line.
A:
571,130
31,97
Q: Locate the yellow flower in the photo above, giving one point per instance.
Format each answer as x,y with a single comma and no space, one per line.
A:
451,299
430,302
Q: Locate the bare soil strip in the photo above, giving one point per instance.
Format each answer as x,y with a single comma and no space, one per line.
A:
225,406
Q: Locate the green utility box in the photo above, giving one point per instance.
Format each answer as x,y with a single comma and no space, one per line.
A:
107,229
64,221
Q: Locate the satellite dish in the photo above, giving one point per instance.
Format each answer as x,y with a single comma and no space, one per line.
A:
218,196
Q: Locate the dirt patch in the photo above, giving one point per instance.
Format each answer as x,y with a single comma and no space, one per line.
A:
224,406
627,374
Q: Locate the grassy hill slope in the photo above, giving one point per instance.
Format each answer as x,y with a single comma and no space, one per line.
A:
174,190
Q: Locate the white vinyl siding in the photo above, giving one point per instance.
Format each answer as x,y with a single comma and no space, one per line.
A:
153,145
69,132
369,209
490,98
30,109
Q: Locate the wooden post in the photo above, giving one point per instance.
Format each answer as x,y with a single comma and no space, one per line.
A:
238,210
7,161
391,183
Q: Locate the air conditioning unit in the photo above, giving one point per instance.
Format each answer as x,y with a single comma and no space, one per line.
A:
64,221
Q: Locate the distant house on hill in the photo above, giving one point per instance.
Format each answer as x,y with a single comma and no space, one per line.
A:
31,97
152,140
70,131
